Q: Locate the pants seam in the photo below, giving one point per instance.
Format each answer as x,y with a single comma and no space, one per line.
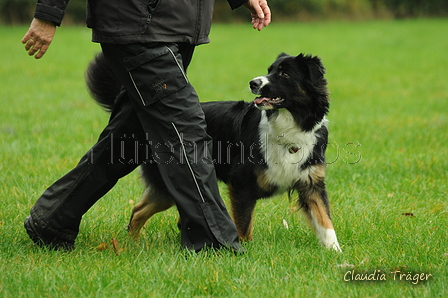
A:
188,162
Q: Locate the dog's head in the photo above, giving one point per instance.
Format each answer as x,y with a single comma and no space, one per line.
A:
294,83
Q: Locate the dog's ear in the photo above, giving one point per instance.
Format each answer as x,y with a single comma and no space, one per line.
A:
282,55
315,68
314,72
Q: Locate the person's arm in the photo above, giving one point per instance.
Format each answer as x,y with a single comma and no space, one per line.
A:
48,15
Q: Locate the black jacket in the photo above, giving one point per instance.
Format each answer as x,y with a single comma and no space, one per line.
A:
136,21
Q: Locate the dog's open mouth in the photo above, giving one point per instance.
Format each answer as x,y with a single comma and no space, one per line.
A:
268,100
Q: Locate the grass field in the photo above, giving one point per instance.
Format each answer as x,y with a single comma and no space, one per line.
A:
387,177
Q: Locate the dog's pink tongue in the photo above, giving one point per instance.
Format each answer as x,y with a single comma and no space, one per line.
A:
259,100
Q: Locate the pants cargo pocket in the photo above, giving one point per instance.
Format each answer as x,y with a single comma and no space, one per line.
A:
156,73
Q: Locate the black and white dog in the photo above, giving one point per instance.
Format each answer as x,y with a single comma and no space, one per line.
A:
273,145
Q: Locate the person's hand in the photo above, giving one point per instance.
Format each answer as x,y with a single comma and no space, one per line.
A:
261,14
38,38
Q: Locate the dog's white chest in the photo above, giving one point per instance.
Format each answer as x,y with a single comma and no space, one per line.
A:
285,148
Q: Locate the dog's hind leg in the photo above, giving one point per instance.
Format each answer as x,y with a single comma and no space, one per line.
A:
154,200
313,200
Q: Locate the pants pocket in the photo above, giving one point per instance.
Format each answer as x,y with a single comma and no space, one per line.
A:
156,73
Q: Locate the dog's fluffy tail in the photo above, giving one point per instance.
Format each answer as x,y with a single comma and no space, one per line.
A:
102,83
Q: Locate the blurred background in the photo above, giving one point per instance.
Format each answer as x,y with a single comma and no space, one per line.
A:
16,12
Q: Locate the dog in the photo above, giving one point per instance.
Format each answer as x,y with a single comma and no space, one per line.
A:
275,144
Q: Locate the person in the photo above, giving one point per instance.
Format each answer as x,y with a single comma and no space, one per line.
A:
149,47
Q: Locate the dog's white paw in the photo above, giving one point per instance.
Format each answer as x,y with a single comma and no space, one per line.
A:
329,239
336,247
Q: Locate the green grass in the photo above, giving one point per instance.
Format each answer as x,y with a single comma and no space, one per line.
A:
388,147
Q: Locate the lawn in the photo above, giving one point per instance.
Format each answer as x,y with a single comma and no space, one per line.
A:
387,172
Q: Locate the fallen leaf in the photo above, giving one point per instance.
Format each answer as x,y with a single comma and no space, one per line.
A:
102,246
408,214
346,265
116,246
401,268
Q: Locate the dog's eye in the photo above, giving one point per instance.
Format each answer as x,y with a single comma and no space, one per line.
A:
284,74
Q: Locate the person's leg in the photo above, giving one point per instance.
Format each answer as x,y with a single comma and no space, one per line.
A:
169,111
56,216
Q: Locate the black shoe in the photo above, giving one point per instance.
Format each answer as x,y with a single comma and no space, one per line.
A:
45,239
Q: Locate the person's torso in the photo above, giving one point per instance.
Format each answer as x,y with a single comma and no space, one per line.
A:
132,21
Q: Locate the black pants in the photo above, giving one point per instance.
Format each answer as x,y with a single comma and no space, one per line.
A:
156,118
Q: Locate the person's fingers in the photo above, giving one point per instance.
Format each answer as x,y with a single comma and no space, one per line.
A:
259,24
255,22
32,44
33,49
42,50
267,16
29,44
35,46
267,13
258,10
26,37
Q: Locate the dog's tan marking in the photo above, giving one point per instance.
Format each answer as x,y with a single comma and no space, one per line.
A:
152,202
263,181
319,212
318,217
302,91
317,173
242,217
247,236
314,200
316,207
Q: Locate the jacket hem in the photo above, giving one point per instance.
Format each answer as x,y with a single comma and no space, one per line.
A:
145,38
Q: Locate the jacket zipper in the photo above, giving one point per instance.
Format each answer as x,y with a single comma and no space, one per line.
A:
197,31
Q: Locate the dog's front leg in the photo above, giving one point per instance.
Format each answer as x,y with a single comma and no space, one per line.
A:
242,212
313,200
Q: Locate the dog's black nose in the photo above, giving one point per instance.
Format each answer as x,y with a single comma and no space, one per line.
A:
255,84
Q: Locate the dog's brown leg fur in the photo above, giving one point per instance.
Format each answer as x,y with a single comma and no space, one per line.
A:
242,213
152,202
314,202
